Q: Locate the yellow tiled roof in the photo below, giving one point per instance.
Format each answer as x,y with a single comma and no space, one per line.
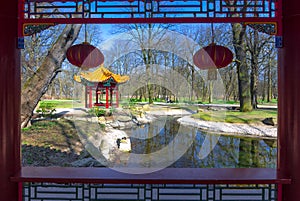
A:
101,75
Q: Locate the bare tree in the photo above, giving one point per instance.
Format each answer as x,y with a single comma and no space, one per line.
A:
269,71
34,87
239,44
255,43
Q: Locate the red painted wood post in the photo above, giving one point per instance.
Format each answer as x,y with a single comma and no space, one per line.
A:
279,192
20,192
289,101
106,95
10,90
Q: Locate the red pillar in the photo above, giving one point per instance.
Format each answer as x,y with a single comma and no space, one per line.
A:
106,95
10,84
289,101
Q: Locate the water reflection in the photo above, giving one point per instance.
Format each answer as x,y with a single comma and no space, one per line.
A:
229,151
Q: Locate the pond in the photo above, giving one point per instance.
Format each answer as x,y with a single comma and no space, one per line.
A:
167,143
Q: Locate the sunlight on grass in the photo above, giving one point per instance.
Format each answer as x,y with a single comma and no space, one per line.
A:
64,103
236,116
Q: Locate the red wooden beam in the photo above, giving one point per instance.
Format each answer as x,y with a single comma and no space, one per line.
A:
165,176
148,20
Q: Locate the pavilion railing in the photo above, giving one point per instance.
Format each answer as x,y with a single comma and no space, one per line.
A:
172,184
149,192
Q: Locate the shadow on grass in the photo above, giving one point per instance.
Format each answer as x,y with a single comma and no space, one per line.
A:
46,156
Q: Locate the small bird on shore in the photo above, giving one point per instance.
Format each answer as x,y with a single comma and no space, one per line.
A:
269,121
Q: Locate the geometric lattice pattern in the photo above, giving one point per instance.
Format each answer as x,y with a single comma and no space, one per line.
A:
32,13
148,192
149,8
268,28
38,9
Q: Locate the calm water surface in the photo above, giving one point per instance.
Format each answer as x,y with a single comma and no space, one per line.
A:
201,150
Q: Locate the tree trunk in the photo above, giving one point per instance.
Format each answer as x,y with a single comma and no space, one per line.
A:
254,71
245,154
147,57
242,68
269,92
210,91
193,83
148,61
264,87
36,86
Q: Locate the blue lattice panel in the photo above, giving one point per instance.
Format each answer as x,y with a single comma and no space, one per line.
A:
148,192
149,9
37,15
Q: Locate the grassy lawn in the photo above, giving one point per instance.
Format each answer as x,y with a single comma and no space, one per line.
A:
50,143
236,116
63,103
56,134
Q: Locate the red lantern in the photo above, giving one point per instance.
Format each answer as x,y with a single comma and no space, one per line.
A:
85,56
213,56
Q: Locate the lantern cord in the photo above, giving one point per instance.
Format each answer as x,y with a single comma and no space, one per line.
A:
212,33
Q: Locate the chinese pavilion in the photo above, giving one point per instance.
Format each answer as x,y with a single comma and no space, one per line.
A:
103,82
